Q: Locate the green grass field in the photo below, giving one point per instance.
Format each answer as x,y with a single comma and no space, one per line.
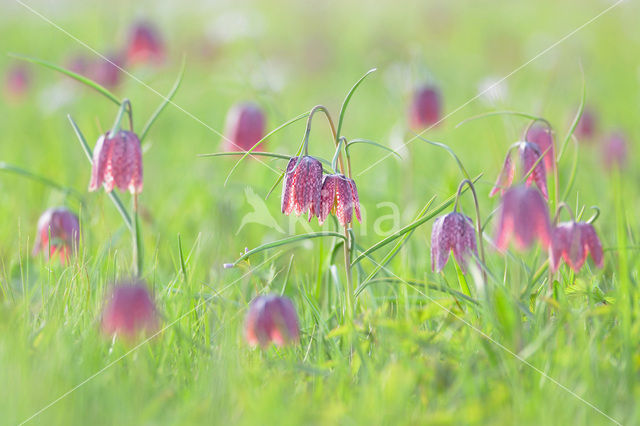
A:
522,346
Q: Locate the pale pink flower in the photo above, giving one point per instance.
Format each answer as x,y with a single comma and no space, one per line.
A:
505,177
452,232
302,185
129,311
535,171
426,107
614,151
117,161
17,82
586,127
340,196
271,319
58,232
145,44
523,216
244,127
572,241
540,135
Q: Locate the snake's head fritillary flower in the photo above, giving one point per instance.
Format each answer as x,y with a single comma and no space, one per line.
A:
145,45
107,72
540,135
505,178
271,319
614,151
58,232
586,127
244,127
340,196
534,166
572,241
426,107
524,216
452,232
117,161
301,187
17,81
129,311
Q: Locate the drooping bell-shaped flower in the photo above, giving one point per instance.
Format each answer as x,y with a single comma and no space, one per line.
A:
107,72
426,107
339,195
58,232
532,167
271,319
586,127
117,161
572,241
452,232
244,127
614,151
540,135
301,187
129,311
145,44
523,216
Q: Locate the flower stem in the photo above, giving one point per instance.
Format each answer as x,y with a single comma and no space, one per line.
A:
136,235
478,219
125,106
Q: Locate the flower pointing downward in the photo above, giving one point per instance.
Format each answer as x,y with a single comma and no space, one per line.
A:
271,319
452,232
302,184
58,232
130,311
572,241
532,168
117,161
340,196
524,216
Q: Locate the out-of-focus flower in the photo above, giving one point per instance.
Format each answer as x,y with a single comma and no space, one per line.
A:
271,319
339,195
426,108
145,45
540,135
129,311
532,168
117,161
302,185
452,232
571,242
17,82
58,232
244,127
614,151
524,216
586,127
106,72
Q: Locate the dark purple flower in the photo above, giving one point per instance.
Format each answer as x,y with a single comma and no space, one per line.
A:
145,45
614,151
452,232
425,108
271,319
586,127
524,216
540,135
129,311
117,161
302,184
244,127
340,196
572,241
58,232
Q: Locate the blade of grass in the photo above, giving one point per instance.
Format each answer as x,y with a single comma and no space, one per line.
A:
41,179
345,103
369,142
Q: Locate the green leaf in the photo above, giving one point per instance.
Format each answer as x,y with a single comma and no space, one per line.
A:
576,119
494,113
41,179
369,142
236,153
164,103
345,103
412,283
84,80
450,151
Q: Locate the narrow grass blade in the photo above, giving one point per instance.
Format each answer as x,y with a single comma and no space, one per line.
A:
183,266
236,153
41,179
369,142
345,103
450,151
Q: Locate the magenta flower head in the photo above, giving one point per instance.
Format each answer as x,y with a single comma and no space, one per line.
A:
524,216
586,127
543,138
145,45
425,108
58,232
129,311
339,195
117,161
614,151
271,319
452,232
536,173
302,184
244,127
572,241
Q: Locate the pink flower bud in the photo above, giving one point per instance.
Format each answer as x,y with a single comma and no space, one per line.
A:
340,196
244,127
425,108
58,232
614,151
145,45
452,232
571,242
129,312
117,161
539,135
301,187
271,319
586,127
524,216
